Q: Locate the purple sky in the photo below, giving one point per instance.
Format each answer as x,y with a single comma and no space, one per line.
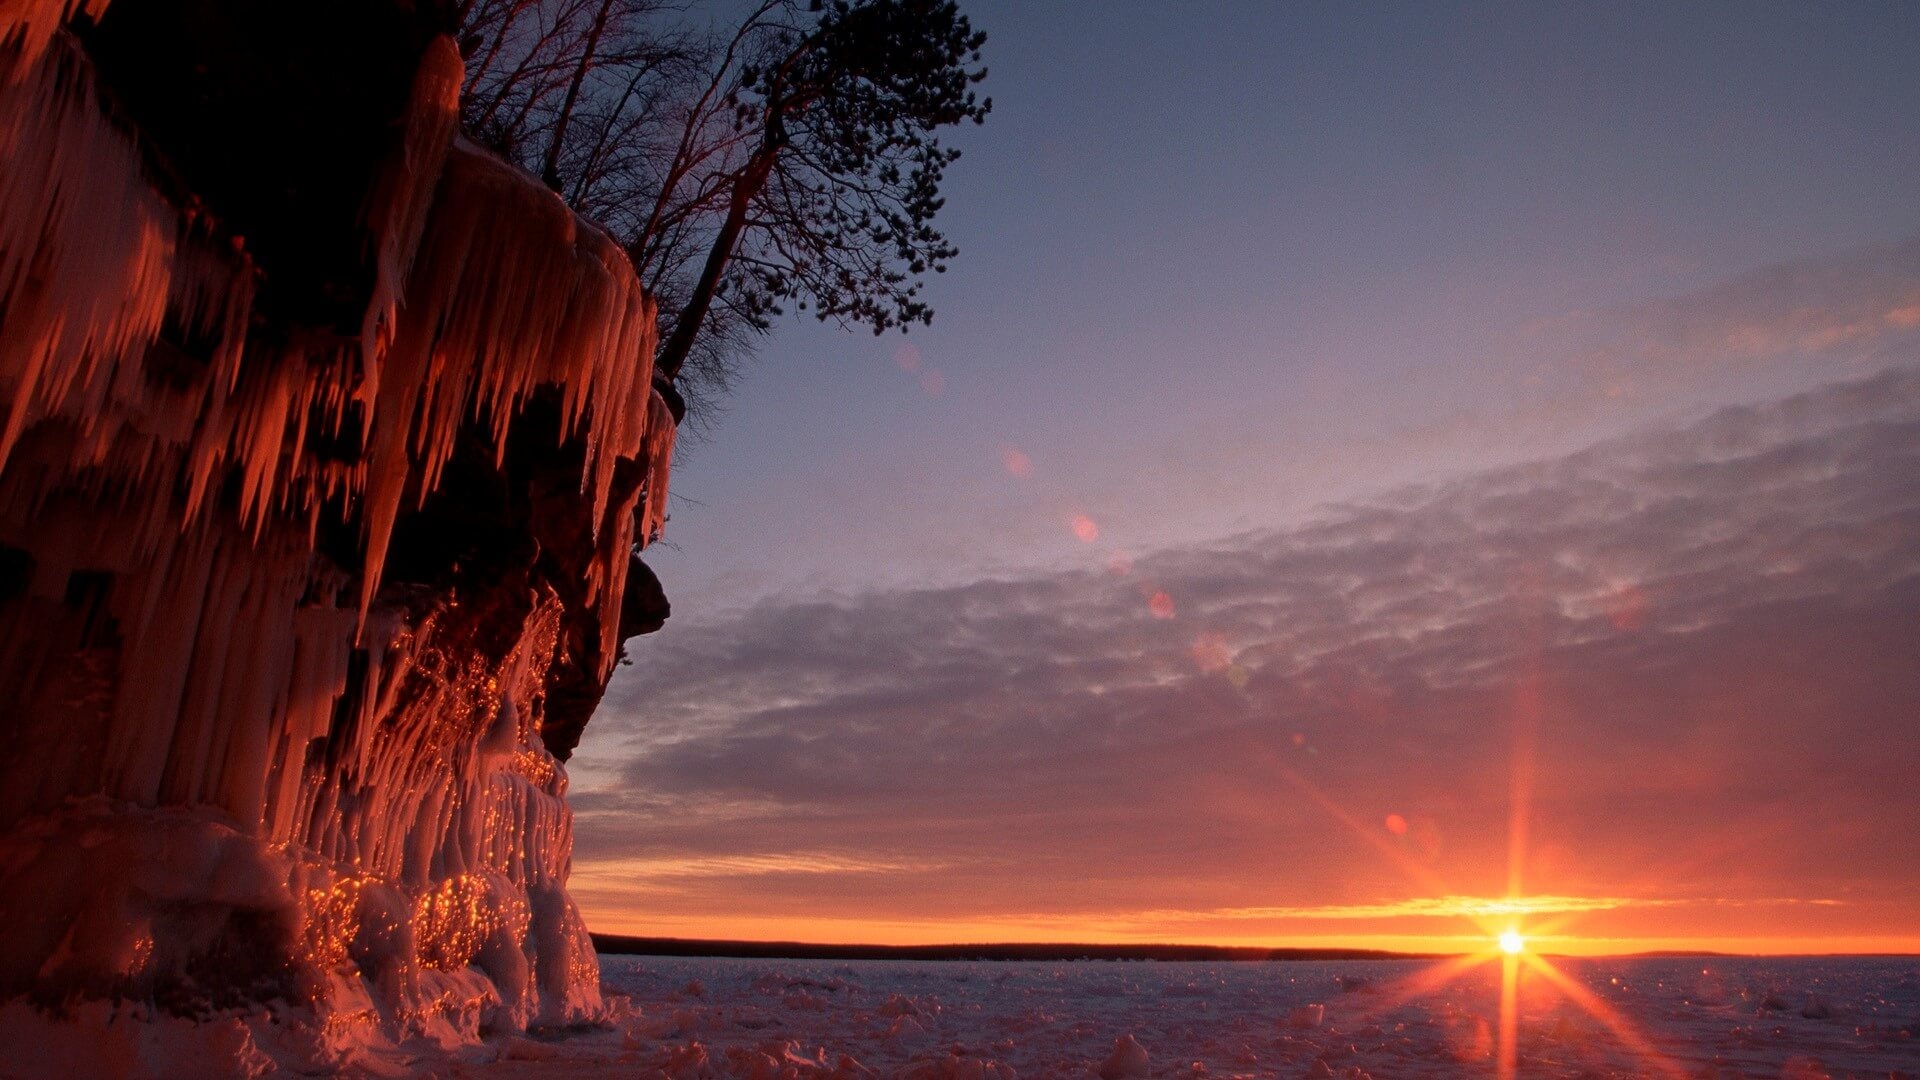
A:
1269,301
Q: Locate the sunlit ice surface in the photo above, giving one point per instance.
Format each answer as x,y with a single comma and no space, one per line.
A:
1689,1016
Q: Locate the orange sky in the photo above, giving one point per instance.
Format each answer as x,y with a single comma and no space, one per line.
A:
1570,925
1449,936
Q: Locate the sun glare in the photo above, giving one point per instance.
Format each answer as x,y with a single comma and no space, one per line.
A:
1512,943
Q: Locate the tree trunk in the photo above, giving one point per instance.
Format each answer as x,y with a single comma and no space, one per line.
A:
686,328
550,169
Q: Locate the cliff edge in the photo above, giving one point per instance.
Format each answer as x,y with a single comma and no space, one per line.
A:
328,443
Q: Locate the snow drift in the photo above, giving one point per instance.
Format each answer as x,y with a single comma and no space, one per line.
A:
315,544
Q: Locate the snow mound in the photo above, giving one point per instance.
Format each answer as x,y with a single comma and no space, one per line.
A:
1127,1062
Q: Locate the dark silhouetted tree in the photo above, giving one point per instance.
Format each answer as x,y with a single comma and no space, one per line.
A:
794,159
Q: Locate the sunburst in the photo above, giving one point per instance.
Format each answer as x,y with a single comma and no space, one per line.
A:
1507,938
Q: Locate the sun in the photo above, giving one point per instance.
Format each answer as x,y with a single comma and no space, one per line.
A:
1512,943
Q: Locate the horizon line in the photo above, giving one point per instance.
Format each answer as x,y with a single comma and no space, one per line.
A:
734,948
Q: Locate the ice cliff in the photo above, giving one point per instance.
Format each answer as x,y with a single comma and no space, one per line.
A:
327,445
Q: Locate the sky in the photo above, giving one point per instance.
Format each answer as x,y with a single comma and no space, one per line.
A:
1369,464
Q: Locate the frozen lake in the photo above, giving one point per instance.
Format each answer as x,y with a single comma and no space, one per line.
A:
1692,1017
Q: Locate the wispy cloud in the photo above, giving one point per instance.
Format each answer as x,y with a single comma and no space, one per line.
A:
1445,909
1468,907
1708,631
1857,308
733,866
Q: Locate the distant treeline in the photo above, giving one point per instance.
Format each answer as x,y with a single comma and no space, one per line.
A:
795,950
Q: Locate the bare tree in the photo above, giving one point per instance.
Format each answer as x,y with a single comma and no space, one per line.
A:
793,158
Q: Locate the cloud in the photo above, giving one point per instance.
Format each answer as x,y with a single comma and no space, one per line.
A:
1859,307
1699,641
1470,907
760,865
1452,908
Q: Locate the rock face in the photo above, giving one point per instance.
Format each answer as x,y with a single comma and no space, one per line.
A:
327,446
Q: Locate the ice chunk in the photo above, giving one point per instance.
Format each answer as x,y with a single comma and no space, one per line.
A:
690,1062
906,1029
958,1067
518,1048
1127,1062
904,1005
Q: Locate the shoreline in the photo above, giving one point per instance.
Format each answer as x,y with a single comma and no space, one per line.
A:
1059,952
627,945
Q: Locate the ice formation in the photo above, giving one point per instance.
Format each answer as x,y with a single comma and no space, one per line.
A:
290,612
1128,1061
993,1020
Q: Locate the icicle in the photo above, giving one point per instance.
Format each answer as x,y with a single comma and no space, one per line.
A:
186,660
86,247
509,291
397,212
26,26
659,457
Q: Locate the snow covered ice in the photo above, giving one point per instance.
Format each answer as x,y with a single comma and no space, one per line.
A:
692,1018
1705,1017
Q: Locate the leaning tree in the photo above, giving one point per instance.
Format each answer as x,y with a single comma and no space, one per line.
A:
791,159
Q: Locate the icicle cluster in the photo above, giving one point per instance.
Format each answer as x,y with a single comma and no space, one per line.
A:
496,309
27,26
225,742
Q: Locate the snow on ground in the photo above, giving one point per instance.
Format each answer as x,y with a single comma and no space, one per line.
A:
726,1019
1705,1017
